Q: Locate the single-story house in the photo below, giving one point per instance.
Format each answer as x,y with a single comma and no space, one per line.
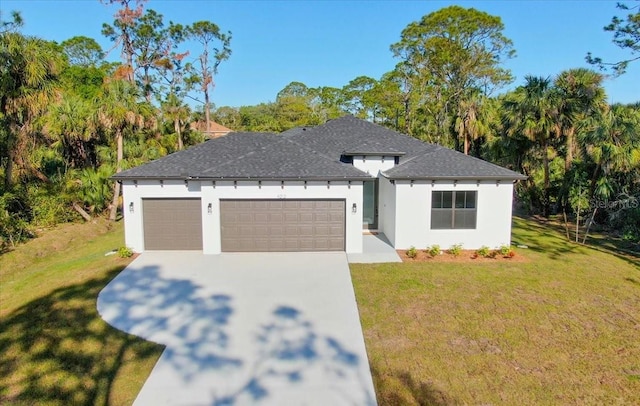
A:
316,189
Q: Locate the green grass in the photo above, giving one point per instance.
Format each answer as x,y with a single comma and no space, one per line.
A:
562,327
54,347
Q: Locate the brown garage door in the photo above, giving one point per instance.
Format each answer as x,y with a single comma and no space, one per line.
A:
282,225
172,224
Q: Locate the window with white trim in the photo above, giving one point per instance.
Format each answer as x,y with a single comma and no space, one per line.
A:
453,210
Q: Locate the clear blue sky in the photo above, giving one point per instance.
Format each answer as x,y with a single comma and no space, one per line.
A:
328,43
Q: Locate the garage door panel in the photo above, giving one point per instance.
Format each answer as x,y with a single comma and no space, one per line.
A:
291,225
172,224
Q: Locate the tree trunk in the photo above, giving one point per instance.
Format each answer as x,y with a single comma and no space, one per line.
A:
546,202
8,169
207,112
568,160
81,211
116,185
176,126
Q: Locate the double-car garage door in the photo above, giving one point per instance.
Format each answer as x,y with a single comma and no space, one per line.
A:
282,225
247,225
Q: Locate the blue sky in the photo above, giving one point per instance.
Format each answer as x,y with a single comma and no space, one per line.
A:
328,43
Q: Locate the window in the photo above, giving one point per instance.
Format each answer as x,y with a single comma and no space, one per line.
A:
453,210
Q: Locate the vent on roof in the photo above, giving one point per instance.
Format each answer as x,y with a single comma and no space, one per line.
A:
346,159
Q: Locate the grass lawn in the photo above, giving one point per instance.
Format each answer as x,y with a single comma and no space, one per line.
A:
562,327
54,347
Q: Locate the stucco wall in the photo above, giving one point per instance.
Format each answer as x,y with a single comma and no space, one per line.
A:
211,194
387,209
413,215
373,164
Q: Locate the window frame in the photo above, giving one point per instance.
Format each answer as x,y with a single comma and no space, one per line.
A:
445,213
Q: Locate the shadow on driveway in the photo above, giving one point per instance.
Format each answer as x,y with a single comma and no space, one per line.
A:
227,342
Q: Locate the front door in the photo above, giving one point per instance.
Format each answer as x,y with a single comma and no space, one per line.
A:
370,205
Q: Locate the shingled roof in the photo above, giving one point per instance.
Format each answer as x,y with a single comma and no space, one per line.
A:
314,153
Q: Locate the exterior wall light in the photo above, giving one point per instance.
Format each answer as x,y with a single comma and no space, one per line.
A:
354,208
131,207
209,208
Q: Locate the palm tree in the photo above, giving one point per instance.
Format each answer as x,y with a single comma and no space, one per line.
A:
532,113
579,95
121,114
470,123
29,69
613,147
71,125
178,113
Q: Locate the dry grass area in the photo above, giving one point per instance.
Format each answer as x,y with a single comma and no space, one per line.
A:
562,327
54,347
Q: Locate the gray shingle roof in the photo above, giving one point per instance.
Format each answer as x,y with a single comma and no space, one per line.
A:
314,153
349,135
444,163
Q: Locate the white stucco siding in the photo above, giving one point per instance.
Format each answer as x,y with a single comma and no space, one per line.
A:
387,209
134,193
211,194
373,164
413,215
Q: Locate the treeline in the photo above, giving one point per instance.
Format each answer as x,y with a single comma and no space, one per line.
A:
69,119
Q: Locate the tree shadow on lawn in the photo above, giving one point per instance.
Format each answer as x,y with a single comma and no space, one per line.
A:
57,350
547,237
400,388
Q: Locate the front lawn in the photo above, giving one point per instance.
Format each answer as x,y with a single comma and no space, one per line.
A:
562,327
54,347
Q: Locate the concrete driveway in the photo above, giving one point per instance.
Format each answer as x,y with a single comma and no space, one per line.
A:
244,329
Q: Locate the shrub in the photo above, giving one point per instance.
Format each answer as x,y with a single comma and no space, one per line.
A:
412,252
434,250
455,250
483,251
125,252
505,250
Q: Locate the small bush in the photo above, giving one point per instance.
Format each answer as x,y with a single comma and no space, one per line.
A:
412,252
125,252
483,251
434,250
455,250
505,250
493,254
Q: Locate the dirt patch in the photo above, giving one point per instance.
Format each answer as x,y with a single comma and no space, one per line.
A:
464,256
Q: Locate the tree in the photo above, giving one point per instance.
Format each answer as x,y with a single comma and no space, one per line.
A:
579,96
71,125
83,51
120,114
151,45
356,100
11,25
530,112
213,40
121,33
613,148
626,35
448,55
29,70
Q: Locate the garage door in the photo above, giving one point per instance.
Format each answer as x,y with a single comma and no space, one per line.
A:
172,224
282,225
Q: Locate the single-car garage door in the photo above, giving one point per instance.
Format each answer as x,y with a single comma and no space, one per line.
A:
172,224
282,225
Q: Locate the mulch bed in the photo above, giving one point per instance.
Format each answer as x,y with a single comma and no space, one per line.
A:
465,256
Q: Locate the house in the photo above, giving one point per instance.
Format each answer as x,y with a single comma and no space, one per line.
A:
316,189
215,130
